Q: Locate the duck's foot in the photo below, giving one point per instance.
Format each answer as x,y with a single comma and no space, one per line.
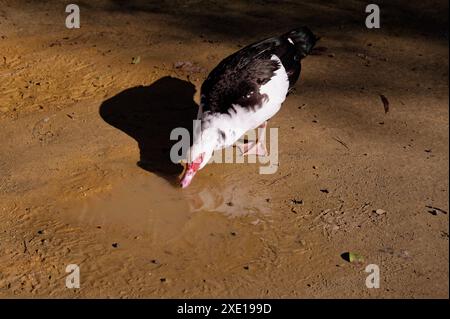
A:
252,148
257,147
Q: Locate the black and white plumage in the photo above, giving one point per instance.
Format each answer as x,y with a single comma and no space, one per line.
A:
243,92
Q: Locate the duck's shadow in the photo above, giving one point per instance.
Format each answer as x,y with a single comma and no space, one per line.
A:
149,114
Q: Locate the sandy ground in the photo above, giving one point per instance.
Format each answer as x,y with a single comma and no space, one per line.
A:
85,177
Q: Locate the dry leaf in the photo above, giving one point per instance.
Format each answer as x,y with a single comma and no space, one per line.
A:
352,257
385,103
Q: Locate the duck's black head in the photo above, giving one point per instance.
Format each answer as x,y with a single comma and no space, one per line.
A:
303,39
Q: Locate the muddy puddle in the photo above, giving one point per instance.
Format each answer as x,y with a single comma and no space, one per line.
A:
147,205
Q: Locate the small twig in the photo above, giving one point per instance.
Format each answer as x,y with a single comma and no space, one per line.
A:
278,179
339,141
323,213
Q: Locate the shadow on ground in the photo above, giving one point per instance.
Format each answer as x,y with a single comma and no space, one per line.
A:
148,114
255,19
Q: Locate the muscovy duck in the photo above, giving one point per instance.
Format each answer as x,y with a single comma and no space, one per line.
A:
244,91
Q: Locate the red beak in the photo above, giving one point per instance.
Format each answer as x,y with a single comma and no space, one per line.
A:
191,170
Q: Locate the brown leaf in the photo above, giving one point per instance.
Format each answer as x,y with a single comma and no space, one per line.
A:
385,103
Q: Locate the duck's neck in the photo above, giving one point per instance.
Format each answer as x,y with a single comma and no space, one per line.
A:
205,142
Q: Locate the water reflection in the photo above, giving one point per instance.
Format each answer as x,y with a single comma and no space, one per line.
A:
151,206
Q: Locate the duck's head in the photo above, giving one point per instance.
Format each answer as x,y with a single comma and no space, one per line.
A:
198,156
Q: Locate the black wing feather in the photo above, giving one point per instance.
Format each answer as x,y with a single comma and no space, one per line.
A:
237,78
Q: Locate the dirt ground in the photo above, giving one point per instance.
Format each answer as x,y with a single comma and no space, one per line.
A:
85,177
